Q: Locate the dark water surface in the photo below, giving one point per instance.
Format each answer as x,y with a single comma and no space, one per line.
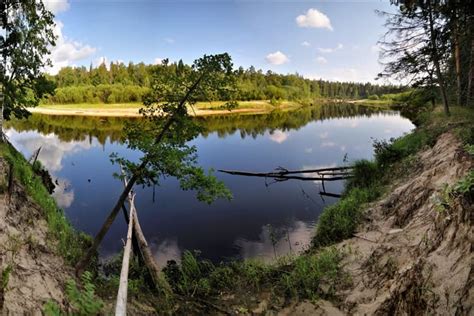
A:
76,152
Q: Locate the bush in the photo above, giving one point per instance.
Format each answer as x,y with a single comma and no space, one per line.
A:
339,221
364,174
310,272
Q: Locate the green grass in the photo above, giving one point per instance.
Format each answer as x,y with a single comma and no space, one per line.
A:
70,243
300,277
380,102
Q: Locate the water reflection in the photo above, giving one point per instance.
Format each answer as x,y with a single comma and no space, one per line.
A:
276,242
85,128
76,151
278,136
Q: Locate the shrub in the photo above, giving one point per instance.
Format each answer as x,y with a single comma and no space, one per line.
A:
310,272
364,174
84,302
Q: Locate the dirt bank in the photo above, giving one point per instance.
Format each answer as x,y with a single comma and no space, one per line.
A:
411,257
32,272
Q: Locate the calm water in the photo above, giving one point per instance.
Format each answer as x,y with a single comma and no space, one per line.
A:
76,152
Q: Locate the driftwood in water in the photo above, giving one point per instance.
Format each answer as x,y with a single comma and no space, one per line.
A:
121,305
281,174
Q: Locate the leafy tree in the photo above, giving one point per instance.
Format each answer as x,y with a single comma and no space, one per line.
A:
132,82
28,35
431,43
163,137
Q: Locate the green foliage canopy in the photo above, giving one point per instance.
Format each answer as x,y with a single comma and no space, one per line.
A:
29,34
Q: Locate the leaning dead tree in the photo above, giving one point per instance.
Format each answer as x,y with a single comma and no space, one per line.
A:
121,305
135,233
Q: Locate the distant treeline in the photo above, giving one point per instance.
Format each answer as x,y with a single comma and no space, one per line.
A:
120,83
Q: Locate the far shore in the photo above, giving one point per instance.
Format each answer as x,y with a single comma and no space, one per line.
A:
200,109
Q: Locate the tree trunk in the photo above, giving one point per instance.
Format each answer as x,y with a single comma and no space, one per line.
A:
435,56
121,305
457,63
160,283
470,84
84,262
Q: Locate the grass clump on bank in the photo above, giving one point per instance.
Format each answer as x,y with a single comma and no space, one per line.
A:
70,243
300,277
196,281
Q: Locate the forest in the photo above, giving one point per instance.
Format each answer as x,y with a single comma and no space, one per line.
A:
120,83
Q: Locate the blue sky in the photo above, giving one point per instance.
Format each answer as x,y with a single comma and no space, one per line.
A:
334,40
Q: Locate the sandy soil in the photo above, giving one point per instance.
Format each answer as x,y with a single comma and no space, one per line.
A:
133,112
410,258
37,273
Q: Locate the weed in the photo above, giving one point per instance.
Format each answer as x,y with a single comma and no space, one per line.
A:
465,185
14,244
312,273
6,276
83,302
51,308
445,199
365,174
469,149
339,221
190,278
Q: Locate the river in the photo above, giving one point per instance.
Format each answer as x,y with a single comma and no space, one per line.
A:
262,219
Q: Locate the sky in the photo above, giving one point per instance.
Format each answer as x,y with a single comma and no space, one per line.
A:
332,40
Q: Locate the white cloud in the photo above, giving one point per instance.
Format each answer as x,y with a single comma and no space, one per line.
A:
169,40
314,19
305,43
359,74
277,58
56,6
67,50
158,61
321,60
330,50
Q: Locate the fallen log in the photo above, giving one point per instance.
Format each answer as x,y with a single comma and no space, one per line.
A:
283,175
